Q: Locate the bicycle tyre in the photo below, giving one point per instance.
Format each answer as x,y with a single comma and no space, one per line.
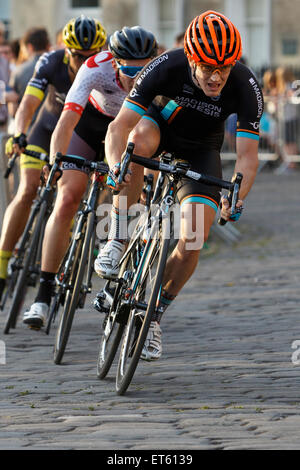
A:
21,285
70,307
60,294
113,330
18,257
125,375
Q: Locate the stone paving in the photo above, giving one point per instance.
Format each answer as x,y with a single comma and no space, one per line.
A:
228,378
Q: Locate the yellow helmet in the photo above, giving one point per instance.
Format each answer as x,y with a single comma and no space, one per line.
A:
84,33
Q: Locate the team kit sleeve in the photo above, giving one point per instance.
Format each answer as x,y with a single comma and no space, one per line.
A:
88,78
37,85
250,110
150,83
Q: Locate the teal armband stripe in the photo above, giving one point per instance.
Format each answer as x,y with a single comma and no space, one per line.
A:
150,119
200,200
169,109
249,135
134,107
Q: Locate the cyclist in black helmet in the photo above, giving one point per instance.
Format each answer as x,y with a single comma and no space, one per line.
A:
133,43
54,73
93,101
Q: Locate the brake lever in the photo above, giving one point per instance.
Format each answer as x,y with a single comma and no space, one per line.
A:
233,197
10,165
125,164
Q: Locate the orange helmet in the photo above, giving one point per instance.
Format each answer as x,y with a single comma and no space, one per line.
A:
212,38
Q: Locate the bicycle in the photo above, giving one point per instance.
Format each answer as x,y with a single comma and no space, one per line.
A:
74,278
129,301
28,260
16,261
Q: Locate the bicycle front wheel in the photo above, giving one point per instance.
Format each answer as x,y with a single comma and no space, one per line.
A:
84,250
114,322
147,290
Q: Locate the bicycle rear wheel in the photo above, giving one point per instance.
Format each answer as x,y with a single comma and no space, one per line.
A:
147,292
28,264
84,251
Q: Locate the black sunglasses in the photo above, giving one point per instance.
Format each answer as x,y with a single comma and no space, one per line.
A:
81,57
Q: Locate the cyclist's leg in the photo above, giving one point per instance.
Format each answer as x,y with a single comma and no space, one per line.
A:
146,137
199,205
17,212
70,189
30,168
195,227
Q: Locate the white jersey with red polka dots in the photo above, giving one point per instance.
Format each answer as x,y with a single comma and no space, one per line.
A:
96,82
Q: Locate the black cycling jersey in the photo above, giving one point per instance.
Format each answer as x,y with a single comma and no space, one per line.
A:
51,75
167,80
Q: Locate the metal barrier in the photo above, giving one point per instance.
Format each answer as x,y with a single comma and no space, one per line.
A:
279,134
288,117
268,144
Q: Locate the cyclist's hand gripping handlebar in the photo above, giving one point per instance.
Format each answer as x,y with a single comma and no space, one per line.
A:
124,165
233,197
31,153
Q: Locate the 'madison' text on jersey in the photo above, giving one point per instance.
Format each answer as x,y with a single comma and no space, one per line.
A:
194,115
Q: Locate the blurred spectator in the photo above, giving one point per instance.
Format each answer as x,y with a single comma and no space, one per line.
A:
4,77
269,120
287,113
59,44
179,40
6,50
270,83
15,50
161,48
2,32
36,42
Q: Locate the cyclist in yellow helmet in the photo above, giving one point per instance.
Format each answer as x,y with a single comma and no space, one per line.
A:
83,37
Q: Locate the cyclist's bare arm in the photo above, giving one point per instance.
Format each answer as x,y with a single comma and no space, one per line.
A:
25,113
63,132
117,134
247,164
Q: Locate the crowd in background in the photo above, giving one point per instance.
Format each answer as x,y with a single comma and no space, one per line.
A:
279,124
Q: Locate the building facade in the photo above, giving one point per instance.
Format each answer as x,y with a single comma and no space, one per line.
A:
269,28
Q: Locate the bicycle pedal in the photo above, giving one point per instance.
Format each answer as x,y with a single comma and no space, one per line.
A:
32,327
99,306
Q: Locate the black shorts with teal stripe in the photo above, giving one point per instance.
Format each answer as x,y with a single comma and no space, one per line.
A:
203,159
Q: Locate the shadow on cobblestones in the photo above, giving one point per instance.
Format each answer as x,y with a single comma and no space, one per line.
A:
228,378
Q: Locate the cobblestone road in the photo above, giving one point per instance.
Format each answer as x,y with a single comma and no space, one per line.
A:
226,379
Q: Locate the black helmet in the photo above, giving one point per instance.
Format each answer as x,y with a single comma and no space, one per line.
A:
132,43
84,33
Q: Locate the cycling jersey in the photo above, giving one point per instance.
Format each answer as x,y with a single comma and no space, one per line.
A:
96,82
191,123
168,81
51,75
97,96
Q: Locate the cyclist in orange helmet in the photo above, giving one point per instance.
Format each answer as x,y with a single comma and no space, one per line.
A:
179,104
